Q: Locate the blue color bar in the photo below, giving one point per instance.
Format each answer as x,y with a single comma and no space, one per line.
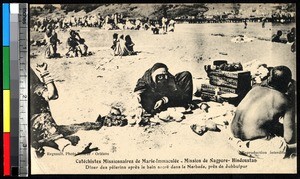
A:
5,24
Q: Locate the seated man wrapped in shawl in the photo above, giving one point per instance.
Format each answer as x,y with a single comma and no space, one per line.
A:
158,89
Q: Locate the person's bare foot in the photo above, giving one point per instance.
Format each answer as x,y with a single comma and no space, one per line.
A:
73,139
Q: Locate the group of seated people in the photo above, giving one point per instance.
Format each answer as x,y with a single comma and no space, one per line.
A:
264,119
75,44
122,46
291,38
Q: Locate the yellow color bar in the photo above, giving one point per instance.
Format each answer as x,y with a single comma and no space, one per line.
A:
6,112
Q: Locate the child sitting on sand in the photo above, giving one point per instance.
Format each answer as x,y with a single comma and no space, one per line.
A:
115,39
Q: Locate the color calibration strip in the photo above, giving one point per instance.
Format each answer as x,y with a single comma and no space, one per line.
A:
14,88
6,88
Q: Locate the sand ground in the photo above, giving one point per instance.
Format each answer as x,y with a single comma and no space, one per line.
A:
89,85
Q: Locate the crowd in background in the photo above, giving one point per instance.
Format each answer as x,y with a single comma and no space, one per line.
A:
109,22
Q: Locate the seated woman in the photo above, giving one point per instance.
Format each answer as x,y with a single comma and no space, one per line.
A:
115,39
158,89
129,45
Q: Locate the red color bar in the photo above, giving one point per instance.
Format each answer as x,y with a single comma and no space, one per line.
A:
6,154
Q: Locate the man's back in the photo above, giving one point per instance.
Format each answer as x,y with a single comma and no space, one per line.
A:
258,114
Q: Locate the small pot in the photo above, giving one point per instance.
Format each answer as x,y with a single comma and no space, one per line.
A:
229,97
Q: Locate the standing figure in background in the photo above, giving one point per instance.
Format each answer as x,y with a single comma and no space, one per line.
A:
171,25
263,22
164,24
245,24
51,42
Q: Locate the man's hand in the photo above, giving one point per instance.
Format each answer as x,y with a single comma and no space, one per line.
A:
51,92
158,104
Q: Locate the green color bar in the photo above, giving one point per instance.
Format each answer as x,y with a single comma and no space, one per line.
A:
6,68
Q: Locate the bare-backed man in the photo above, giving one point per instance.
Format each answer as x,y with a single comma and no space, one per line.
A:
265,119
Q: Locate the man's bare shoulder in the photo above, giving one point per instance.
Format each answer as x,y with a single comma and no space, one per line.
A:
270,93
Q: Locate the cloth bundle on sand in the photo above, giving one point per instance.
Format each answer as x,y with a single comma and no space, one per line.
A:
113,118
259,71
172,114
209,126
224,66
211,116
116,118
241,39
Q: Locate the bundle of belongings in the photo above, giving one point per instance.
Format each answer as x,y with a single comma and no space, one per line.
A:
172,114
215,117
209,126
113,118
227,82
241,39
117,117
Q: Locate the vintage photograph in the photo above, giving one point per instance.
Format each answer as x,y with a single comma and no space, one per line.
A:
163,88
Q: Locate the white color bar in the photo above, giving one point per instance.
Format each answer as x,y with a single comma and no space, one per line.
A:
14,8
